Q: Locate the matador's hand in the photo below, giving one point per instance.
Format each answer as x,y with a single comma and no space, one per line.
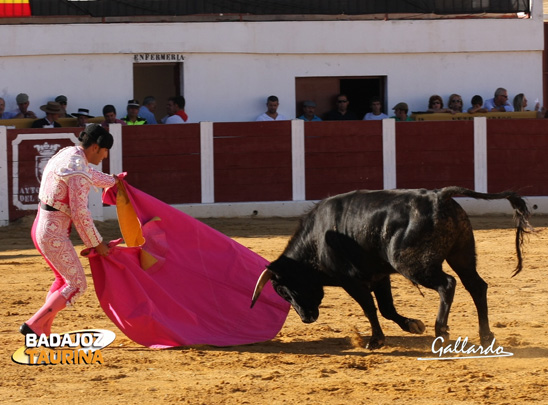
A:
102,249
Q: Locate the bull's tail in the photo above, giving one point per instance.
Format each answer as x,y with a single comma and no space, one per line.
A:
521,212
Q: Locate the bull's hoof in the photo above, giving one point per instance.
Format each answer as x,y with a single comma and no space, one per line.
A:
415,326
487,339
442,331
375,343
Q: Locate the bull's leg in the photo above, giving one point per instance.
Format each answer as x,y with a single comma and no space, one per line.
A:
363,296
465,267
435,279
383,293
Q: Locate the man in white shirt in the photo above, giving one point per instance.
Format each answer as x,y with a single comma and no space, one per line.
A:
376,110
271,113
175,111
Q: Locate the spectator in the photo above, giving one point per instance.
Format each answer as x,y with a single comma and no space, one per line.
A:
53,110
309,112
63,101
500,102
520,103
5,115
271,114
477,105
147,110
132,117
82,117
455,103
435,105
341,113
175,111
22,111
109,112
401,110
376,110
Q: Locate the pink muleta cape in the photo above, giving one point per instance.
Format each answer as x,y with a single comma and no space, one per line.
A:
179,282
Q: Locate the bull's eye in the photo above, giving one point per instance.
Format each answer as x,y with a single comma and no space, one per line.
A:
283,292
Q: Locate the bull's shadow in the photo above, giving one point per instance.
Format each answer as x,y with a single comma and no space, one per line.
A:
408,346
397,346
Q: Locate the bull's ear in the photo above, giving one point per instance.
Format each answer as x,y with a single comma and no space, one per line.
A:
261,282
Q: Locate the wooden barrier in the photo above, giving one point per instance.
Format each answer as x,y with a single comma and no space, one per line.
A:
254,161
518,156
435,154
28,152
164,161
342,156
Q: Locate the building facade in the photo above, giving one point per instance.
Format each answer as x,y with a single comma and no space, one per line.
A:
227,69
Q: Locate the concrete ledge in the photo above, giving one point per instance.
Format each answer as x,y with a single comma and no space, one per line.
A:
537,205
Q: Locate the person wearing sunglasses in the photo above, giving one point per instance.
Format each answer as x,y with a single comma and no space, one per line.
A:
455,103
435,105
341,112
500,102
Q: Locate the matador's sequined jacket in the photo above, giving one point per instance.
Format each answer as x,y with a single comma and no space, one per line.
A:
65,185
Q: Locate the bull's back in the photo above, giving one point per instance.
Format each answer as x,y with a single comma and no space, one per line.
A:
390,224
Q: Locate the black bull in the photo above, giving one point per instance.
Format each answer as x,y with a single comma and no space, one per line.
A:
356,240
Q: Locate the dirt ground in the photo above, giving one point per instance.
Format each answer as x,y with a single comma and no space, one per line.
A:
324,362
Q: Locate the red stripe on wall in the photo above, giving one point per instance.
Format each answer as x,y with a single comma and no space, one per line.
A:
342,156
517,156
435,154
252,161
164,161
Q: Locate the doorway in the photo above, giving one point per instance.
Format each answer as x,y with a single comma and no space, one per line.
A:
324,91
160,80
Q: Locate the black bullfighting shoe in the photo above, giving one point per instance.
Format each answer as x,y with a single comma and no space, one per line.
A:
26,330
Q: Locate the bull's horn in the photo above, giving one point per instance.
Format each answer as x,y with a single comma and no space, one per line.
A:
261,282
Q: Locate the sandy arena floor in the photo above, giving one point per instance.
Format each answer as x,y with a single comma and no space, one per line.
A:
324,362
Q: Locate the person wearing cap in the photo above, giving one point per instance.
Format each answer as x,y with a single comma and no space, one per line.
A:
63,101
109,112
63,202
271,114
53,110
376,110
82,117
401,110
341,113
147,110
309,112
132,117
22,111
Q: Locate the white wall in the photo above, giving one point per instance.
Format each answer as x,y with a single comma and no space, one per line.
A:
230,68
410,77
89,81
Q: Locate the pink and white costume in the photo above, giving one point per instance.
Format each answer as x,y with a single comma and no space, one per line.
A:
65,186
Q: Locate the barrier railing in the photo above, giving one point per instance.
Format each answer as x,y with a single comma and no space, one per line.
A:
418,116
228,163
